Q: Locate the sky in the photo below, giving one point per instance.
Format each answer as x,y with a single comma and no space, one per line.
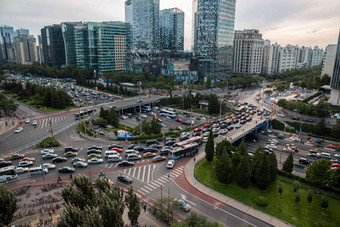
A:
296,22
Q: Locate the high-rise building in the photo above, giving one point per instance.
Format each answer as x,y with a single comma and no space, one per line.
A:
248,52
335,82
22,31
266,58
40,50
7,51
288,58
53,46
67,29
213,34
171,24
305,57
143,16
329,60
275,50
25,49
317,56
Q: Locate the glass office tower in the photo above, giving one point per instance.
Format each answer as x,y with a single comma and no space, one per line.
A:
171,23
213,35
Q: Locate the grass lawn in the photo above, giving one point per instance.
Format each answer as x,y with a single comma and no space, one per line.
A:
284,208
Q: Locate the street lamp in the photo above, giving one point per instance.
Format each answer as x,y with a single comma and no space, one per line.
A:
139,84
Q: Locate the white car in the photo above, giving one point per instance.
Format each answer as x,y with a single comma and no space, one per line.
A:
171,164
25,164
280,115
143,116
27,121
49,166
18,130
205,139
124,117
237,126
95,161
34,123
223,131
47,151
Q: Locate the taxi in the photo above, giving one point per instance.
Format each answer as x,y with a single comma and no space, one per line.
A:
27,159
149,155
16,156
158,158
70,154
94,156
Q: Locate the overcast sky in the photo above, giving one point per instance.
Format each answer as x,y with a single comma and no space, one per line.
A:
302,22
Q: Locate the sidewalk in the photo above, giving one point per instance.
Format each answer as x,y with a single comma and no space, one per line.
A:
189,175
8,123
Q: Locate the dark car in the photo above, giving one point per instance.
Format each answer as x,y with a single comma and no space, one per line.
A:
305,161
94,152
230,128
66,169
150,149
95,148
157,146
125,163
125,179
59,159
115,145
170,142
295,118
309,120
196,134
72,149
139,148
49,156
132,146
236,121
215,134
5,163
150,142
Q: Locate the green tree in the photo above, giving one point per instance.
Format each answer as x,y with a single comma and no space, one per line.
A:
214,105
224,169
272,165
335,178
296,186
319,172
288,165
209,147
195,220
255,163
320,127
335,133
132,203
242,148
280,189
222,146
324,202
297,198
8,205
262,176
236,158
309,197
155,126
243,172
164,208
75,216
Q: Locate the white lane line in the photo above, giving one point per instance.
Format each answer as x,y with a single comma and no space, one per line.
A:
166,178
111,165
141,192
145,190
124,171
149,172
106,165
164,182
150,185
154,183
143,175
153,170
134,171
116,165
129,171
176,172
139,168
150,189
158,182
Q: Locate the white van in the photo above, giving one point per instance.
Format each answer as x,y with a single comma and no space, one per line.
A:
171,164
133,157
110,152
114,158
325,155
131,151
37,171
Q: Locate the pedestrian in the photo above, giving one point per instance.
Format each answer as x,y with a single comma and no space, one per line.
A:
53,210
194,159
144,207
71,176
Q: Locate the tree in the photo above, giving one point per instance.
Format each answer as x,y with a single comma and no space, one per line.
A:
297,198
155,126
319,172
243,172
296,186
242,148
288,165
280,189
224,169
195,220
75,216
222,146
255,163
162,209
320,127
309,197
324,202
236,158
335,178
214,105
8,205
209,147
262,176
335,133
132,203
272,165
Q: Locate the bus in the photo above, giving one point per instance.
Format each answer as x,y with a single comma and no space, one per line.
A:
7,174
196,139
146,108
84,113
168,113
183,151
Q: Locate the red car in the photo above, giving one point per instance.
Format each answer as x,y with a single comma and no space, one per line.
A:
179,120
206,126
336,165
295,149
332,146
197,129
117,149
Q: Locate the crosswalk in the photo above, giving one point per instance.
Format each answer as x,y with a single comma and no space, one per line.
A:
43,123
145,174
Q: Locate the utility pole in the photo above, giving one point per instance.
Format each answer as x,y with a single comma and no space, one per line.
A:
42,167
139,83
51,129
162,200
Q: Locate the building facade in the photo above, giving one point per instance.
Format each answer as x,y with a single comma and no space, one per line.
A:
25,47
171,25
329,60
143,16
335,82
53,47
288,57
213,34
266,58
67,29
305,57
248,52
317,56
7,51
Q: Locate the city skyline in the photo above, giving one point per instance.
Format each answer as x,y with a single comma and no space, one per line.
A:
303,23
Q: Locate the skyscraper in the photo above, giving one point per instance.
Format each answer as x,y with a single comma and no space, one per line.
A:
213,34
67,29
317,56
248,52
53,46
329,60
143,16
7,51
335,82
288,58
171,23
25,49
267,58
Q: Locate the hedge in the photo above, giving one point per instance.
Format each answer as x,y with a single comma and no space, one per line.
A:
308,128
171,101
146,137
323,137
306,100
48,142
280,126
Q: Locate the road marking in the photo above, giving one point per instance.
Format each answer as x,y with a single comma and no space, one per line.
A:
116,164
145,190
150,185
124,171
153,170
111,165
149,172
161,181
165,177
138,172
141,192
106,165
184,198
158,182
157,185
129,171
150,189
134,171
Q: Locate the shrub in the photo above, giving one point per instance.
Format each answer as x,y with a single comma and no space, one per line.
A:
261,201
48,142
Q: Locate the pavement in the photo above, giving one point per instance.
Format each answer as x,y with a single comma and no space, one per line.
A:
9,123
189,175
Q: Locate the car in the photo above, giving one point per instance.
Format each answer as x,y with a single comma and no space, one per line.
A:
184,136
18,130
34,123
5,163
309,120
59,159
170,164
95,152
197,129
237,126
215,130
205,139
206,126
157,146
48,156
295,118
125,179
131,146
305,161
280,115
314,155
170,142
151,149
72,149
116,145
47,151
223,131
332,146
125,163
158,158
16,156
159,120
182,204
139,148
27,159
70,154
117,149
49,166
336,165
143,116
95,161
25,164
196,134
80,164
21,170
149,155
90,156
77,159
179,120
66,169
95,147
139,100
27,121
230,127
